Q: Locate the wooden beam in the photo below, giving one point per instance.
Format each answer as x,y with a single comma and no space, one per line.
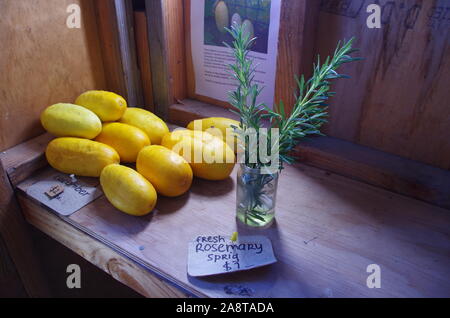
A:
295,47
400,175
162,92
23,160
116,32
113,263
143,52
189,110
176,50
14,233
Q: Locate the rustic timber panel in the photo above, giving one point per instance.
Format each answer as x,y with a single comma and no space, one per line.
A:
174,24
43,62
397,100
143,54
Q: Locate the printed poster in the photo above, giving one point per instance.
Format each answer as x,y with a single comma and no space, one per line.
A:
211,57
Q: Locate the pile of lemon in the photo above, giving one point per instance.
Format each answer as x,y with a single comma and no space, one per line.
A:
99,132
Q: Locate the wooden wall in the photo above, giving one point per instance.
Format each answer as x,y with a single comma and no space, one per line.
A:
43,62
398,98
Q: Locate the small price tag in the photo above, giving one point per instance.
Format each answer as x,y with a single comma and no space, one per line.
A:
54,191
62,193
212,255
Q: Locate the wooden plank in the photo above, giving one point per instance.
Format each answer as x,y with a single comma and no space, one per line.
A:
116,28
174,26
143,52
295,47
325,236
189,110
115,264
23,160
162,91
110,46
43,62
403,176
381,169
398,99
125,22
14,233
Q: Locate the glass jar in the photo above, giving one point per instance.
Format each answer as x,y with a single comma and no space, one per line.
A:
256,196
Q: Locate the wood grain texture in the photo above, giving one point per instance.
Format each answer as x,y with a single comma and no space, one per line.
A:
188,110
14,234
105,15
95,283
23,160
397,100
157,36
324,238
143,53
118,47
113,263
43,62
174,25
403,176
295,47
125,22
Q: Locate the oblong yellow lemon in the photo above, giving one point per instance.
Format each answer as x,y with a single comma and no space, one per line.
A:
220,127
108,106
127,190
152,125
127,140
81,157
209,157
169,173
69,120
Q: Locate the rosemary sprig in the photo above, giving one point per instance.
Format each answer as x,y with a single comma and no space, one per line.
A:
310,109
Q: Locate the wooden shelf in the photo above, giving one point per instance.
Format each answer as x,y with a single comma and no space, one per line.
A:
391,172
328,230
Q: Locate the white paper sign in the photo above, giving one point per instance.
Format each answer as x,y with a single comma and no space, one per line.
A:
211,57
77,192
211,255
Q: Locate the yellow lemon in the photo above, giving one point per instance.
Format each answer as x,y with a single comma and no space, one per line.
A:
81,157
127,140
169,173
127,190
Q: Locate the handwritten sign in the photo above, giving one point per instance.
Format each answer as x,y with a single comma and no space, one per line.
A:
211,255
62,193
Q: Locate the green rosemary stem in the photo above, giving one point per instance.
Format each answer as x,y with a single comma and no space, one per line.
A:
309,112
